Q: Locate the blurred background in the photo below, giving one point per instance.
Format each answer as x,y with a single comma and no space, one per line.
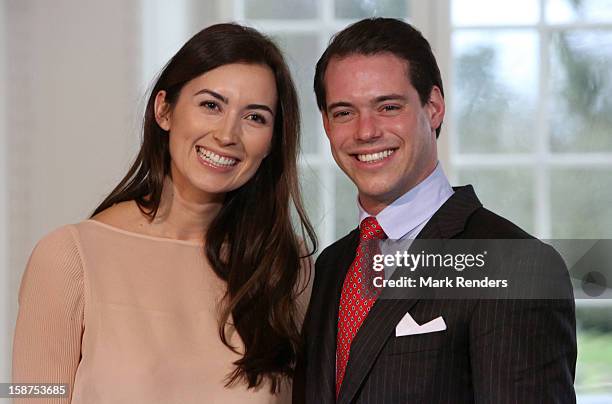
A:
529,116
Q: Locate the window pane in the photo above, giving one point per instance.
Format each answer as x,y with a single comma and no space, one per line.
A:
369,8
347,215
594,365
495,90
506,191
487,12
565,11
581,84
286,9
581,201
302,52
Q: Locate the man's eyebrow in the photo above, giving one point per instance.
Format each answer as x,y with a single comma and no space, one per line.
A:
214,94
339,104
389,97
260,106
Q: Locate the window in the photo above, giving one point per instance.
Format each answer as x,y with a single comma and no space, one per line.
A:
530,126
530,116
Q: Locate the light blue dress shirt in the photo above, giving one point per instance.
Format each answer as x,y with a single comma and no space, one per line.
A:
408,214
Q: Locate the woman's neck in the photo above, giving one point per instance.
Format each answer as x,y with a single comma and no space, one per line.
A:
183,216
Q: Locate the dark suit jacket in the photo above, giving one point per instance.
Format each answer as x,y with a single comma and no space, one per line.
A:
493,351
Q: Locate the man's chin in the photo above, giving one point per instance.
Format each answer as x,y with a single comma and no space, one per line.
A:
374,196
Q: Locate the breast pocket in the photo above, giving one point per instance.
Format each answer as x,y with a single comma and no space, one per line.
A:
434,341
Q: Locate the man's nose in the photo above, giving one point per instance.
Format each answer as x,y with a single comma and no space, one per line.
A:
367,129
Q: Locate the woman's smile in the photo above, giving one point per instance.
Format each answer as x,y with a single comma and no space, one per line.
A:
217,161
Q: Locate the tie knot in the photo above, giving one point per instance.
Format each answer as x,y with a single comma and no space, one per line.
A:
369,229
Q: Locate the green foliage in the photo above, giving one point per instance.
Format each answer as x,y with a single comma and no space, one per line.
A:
595,319
594,366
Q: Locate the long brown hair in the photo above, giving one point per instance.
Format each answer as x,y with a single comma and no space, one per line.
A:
251,244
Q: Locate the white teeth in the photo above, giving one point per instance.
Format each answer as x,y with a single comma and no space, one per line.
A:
214,158
368,158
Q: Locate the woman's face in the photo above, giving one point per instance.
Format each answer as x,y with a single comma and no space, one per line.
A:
220,128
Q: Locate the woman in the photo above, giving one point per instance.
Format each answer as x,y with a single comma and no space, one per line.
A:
183,286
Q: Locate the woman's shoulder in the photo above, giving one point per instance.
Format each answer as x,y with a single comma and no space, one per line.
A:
55,259
65,243
61,239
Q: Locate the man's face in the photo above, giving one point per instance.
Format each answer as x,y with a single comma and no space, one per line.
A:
380,134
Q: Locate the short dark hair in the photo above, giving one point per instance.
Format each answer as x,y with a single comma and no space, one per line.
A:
379,35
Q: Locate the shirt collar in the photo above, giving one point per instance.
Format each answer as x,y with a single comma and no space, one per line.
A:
415,207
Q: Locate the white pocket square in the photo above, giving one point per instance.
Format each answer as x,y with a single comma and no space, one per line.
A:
407,326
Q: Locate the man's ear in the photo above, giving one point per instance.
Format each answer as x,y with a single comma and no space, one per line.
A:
326,124
162,111
435,108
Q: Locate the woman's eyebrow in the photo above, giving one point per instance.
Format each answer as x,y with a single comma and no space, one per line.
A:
214,94
226,100
260,106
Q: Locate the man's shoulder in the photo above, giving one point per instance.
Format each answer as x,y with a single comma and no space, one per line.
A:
336,247
485,224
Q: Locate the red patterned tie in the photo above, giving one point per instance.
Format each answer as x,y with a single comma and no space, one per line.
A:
355,301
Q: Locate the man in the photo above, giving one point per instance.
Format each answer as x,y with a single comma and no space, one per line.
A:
381,98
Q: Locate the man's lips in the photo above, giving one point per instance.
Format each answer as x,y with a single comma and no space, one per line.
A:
373,156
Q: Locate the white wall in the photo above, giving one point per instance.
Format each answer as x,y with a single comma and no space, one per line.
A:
5,313
72,102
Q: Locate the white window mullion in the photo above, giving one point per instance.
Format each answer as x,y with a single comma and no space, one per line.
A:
435,19
327,166
492,160
238,10
541,184
326,12
165,27
603,160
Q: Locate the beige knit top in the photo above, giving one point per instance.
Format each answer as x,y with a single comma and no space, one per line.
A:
124,318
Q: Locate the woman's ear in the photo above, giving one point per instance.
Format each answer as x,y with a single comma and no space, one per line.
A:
162,111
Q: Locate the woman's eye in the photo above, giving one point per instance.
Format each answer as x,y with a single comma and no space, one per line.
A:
256,118
209,105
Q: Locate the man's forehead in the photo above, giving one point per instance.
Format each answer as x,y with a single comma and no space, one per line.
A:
366,76
372,57
375,60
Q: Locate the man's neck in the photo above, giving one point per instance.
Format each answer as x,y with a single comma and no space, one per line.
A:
374,204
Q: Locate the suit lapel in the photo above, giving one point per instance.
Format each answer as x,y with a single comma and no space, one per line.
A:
452,216
336,269
380,323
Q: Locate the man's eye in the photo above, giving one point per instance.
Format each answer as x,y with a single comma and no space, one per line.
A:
209,105
341,114
390,108
256,118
